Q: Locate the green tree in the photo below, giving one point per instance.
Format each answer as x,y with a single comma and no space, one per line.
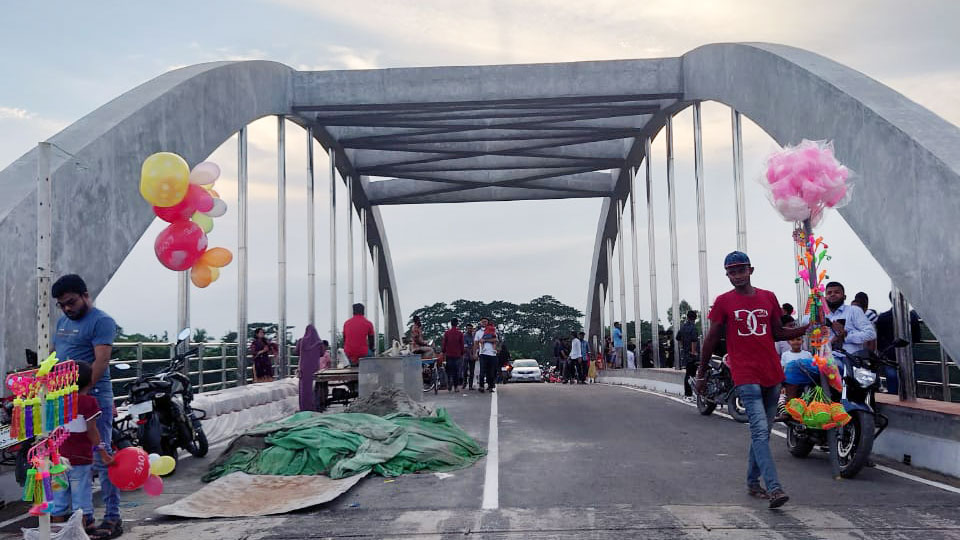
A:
200,336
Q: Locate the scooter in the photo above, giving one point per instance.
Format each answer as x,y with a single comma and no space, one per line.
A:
159,406
861,380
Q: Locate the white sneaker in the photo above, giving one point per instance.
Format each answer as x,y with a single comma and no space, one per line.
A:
689,399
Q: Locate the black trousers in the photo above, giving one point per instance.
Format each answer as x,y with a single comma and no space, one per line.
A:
488,370
469,370
584,369
691,371
452,366
571,371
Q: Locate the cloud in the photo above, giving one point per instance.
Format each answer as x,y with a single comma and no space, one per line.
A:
15,113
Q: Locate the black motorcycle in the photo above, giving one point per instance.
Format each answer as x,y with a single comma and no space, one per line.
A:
158,416
861,380
719,390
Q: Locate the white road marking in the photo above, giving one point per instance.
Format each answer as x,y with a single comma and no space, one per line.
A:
491,482
781,434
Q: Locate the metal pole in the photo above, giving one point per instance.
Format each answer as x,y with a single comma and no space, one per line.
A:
610,285
701,217
363,257
386,313
636,263
376,300
283,359
945,374
44,248
183,310
741,209
311,237
333,252
623,286
652,250
674,258
603,326
351,298
901,329
242,256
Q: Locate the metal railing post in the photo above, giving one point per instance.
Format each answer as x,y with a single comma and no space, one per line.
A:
139,359
945,373
223,365
901,329
200,368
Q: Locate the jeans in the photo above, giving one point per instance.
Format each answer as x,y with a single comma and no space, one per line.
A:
103,392
469,370
77,495
452,367
488,370
761,405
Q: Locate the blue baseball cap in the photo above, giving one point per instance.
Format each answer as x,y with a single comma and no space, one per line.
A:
736,258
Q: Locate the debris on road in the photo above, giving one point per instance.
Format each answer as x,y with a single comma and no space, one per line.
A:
384,401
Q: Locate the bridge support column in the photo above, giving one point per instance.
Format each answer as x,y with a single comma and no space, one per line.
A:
333,252
901,329
242,256
740,204
701,217
609,287
623,285
376,300
631,176
652,251
283,356
351,297
674,262
311,237
363,257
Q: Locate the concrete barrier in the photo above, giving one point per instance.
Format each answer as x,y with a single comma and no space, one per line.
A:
924,434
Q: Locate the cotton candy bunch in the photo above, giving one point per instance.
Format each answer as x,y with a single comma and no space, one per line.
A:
802,180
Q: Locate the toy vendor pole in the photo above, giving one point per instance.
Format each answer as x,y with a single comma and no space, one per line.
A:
802,182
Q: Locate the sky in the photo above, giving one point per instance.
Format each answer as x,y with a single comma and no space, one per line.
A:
63,60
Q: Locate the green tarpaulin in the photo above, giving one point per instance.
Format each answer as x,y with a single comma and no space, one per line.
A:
344,444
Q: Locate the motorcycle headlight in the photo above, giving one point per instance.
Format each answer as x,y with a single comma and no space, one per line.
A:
864,376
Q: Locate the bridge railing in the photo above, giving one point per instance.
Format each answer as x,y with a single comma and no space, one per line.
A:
214,367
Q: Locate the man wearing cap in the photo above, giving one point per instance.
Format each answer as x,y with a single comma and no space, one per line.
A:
750,319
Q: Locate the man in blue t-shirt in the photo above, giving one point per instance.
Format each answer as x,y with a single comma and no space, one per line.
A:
85,334
618,346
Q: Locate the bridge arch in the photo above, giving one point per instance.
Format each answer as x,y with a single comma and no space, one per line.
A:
907,157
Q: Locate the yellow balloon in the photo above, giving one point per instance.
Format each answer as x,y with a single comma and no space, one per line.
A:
163,466
204,221
164,179
214,273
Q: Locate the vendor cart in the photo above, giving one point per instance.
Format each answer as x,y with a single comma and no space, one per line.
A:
336,385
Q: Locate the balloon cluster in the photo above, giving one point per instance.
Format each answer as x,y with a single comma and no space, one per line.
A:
813,253
802,180
187,201
133,468
817,412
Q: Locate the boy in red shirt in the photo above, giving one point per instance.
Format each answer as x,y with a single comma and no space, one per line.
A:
357,336
78,450
751,319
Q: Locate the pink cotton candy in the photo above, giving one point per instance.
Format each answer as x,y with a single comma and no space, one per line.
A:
801,180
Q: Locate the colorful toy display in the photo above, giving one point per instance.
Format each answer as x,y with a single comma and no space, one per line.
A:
185,199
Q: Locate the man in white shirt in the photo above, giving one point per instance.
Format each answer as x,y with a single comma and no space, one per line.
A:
486,345
571,373
849,325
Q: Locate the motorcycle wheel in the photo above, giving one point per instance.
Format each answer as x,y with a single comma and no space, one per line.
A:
736,409
854,443
705,407
120,441
199,446
798,447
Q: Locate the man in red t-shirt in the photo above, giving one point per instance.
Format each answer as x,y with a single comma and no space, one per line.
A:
452,348
357,336
750,318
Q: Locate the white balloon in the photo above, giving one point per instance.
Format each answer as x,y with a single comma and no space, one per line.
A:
205,173
153,457
219,208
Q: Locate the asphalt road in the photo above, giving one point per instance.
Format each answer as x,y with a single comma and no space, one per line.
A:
590,462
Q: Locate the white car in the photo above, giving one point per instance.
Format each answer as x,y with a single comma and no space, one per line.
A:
526,369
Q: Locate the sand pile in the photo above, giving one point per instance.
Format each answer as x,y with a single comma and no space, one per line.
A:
384,401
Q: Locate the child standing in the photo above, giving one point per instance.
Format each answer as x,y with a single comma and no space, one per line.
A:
78,450
798,368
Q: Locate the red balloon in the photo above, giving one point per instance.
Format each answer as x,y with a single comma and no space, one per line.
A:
180,245
130,468
197,199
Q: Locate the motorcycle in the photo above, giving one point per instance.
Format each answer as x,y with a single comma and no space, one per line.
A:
861,380
158,414
719,390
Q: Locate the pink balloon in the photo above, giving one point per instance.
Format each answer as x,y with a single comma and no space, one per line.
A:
153,486
180,245
197,199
